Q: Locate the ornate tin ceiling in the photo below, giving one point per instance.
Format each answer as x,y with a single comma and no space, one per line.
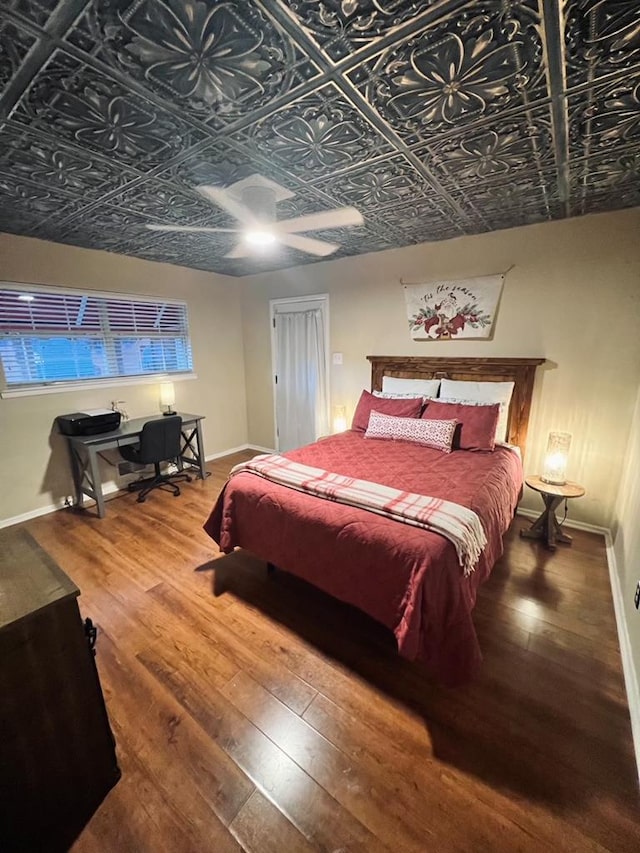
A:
435,118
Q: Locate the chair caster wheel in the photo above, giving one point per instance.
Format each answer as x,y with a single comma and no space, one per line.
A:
141,500
189,479
176,494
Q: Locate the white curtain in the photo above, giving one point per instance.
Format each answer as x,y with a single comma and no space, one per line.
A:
301,401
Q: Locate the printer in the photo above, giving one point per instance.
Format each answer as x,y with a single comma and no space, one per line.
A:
91,422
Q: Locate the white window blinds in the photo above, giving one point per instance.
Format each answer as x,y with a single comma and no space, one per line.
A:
48,337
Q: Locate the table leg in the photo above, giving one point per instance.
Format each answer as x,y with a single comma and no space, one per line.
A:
195,457
546,526
200,442
96,482
77,474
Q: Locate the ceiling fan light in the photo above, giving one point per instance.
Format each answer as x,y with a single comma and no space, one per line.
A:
260,238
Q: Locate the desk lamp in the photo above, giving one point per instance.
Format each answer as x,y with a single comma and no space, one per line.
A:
167,397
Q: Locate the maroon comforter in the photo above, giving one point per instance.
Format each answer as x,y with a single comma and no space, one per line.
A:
407,578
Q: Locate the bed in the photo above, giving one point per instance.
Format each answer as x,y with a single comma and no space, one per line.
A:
408,578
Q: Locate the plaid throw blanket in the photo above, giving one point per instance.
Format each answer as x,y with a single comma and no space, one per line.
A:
458,524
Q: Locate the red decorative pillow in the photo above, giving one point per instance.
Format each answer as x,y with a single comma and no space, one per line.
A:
400,408
476,424
435,434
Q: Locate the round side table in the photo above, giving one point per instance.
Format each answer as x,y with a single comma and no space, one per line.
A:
546,527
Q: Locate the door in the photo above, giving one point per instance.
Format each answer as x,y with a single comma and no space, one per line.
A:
299,347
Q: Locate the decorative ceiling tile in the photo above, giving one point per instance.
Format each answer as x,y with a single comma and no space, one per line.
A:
421,223
54,165
465,69
216,61
342,27
606,117
618,199
317,135
15,44
505,150
124,224
601,37
203,250
219,164
161,203
93,237
25,205
92,111
376,185
305,201
37,11
499,203
435,118
501,220
606,182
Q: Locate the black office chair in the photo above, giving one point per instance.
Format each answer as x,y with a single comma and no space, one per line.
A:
159,442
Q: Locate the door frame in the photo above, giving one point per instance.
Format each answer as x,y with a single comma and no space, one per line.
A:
323,298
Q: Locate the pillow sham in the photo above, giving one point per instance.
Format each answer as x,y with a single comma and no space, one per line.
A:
437,434
462,391
477,425
410,408
396,385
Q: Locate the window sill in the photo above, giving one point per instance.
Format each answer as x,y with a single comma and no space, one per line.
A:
93,384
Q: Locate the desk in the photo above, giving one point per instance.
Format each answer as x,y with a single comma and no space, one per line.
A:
84,450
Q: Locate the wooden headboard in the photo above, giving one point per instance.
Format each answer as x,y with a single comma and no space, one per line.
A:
521,371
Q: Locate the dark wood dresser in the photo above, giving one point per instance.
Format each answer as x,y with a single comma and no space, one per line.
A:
57,753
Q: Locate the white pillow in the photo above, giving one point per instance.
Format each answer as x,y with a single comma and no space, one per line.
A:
460,391
396,396
415,387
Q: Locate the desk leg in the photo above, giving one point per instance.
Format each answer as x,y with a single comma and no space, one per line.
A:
78,473
195,456
200,441
546,526
96,482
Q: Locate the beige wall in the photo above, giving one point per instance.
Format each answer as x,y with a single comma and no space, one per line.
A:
573,296
33,462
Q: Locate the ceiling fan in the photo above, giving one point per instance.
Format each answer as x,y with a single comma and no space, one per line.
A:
252,201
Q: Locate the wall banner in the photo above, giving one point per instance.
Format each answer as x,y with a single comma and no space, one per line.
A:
453,310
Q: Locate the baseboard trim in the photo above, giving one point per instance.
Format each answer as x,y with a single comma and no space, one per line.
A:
238,449
628,669
576,525
45,510
211,456
111,489
630,676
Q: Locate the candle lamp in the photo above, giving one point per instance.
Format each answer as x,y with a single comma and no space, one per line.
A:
555,461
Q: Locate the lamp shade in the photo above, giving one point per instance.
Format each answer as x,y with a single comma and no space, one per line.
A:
339,418
555,460
167,394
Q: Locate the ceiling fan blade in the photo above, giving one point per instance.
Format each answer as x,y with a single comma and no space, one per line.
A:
240,250
308,244
222,199
198,229
341,217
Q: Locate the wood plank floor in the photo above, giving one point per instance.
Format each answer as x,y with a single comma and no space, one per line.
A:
253,713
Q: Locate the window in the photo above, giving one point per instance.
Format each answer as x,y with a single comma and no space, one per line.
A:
49,337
